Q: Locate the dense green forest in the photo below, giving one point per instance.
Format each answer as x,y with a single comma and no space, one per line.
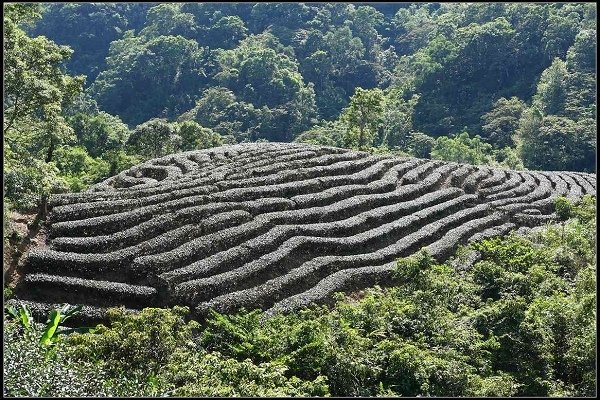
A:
93,88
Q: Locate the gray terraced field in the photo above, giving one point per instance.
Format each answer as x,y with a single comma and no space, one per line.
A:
274,226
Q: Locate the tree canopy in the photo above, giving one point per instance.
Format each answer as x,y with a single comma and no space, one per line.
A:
414,79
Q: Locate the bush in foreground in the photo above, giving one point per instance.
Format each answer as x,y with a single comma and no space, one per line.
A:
520,320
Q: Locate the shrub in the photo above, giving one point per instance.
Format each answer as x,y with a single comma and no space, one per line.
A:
564,208
144,341
520,320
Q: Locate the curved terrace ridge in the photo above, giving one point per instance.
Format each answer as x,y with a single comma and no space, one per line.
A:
271,225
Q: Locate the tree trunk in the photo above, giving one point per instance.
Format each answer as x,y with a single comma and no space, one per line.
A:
50,150
43,211
361,137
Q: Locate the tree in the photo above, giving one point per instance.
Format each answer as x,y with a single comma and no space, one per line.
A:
264,73
581,79
560,32
557,143
581,57
462,149
260,72
218,108
291,15
551,89
331,133
459,74
154,138
89,28
365,22
78,169
580,96
226,33
147,78
33,80
35,91
412,28
194,136
420,145
99,133
502,121
168,20
363,117
398,119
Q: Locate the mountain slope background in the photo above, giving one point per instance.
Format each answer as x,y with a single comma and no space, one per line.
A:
271,71
510,85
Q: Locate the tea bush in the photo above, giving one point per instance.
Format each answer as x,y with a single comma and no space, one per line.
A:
512,316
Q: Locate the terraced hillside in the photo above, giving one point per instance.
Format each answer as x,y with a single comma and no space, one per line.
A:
274,226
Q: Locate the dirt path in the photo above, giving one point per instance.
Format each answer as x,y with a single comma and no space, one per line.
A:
24,237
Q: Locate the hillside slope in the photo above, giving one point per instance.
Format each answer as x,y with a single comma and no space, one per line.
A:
271,225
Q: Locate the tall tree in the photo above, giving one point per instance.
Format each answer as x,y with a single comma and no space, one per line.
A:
398,119
502,121
35,91
551,90
194,136
263,72
363,117
557,143
154,138
147,78
89,28
99,133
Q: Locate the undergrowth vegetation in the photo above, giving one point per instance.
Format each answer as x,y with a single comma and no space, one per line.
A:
512,316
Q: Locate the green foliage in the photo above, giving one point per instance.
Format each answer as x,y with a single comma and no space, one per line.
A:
89,28
581,56
262,72
472,150
168,20
273,71
502,121
26,179
218,108
211,374
226,33
462,149
564,208
556,143
99,133
7,292
142,73
35,91
420,145
119,160
443,330
144,341
194,136
57,316
37,370
363,118
398,116
52,324
159,344
154,138
78,169
33,80
329,134
22,315
550,95
508,157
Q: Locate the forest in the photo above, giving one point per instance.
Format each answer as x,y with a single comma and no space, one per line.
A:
93,89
